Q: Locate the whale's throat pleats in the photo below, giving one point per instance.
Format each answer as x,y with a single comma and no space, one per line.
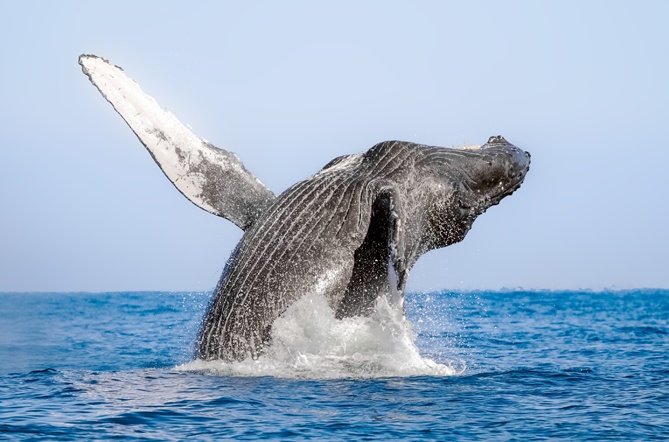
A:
369,278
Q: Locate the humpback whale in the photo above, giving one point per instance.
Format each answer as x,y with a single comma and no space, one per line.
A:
351,232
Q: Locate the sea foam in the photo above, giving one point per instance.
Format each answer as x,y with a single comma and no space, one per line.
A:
309,342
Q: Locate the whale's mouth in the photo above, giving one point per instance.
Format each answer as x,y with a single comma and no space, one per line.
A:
377,268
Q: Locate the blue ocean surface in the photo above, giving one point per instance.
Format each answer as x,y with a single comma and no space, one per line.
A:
465,366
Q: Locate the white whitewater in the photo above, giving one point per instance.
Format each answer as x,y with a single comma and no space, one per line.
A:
309,342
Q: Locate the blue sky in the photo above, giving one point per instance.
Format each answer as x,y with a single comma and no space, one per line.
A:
290,85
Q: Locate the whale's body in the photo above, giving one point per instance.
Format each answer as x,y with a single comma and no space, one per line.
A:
351,232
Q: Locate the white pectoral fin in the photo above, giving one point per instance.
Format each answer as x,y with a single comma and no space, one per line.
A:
212,178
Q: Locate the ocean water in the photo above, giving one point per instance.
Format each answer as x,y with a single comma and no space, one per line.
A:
462,366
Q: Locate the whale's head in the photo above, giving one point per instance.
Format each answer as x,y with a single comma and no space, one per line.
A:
465,182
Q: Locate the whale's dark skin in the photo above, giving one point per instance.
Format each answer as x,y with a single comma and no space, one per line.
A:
351,232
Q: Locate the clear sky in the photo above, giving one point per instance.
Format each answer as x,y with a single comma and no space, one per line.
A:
289,85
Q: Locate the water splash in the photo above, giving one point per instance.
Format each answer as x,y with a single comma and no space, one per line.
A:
309,342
